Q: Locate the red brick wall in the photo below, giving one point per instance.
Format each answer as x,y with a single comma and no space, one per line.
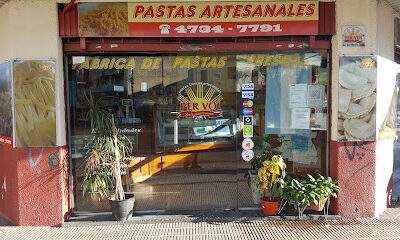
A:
36,185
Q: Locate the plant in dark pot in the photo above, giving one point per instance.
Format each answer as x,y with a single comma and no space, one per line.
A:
271,179
105,164
265,147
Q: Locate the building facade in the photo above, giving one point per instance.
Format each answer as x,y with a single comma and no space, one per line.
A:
320,79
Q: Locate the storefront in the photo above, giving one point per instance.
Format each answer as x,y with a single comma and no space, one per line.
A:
180,78
180,99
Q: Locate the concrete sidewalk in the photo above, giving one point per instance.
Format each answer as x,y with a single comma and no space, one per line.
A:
222,225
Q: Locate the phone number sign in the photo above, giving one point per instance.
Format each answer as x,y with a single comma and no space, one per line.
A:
221,19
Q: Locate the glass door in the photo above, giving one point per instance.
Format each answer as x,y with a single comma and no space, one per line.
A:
198,129
192,113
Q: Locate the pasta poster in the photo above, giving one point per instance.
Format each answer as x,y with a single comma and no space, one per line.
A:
6,118
103,19
35,108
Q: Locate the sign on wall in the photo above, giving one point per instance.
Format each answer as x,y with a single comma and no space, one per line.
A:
34,99
353,36
357,98
6,108
198,19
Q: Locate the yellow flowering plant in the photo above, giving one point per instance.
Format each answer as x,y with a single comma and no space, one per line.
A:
271,176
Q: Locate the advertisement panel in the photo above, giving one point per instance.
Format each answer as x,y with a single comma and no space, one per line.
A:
357,98
199,19
34,99
6,114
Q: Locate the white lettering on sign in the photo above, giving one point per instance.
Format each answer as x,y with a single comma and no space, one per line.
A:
259,28
165,29
248,95
247,86
129,130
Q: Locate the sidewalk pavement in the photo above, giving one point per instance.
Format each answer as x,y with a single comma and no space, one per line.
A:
213,225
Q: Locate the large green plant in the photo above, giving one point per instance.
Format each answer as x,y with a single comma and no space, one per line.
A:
105,161
302,192
323,188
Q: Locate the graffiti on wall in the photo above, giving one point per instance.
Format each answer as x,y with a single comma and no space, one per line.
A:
53,160
356,150
33,164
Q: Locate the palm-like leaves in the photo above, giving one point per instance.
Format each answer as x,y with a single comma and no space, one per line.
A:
103,165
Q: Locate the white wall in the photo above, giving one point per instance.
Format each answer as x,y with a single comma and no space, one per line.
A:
30,31
5,41
383,174
386,77
358,13
385,30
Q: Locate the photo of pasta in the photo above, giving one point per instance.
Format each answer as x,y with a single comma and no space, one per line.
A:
103,19
35,107
6,126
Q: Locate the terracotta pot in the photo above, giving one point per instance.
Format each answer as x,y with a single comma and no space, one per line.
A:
270,206
318,207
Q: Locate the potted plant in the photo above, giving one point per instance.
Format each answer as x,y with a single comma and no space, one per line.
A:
309,192
323,188
104,165
271,179
296,193
265,147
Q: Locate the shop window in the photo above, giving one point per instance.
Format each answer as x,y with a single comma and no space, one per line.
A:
183,114
291,102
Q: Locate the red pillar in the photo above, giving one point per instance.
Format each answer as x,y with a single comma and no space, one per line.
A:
36,185
353,164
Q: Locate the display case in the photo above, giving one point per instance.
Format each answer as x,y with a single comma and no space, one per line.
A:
175,132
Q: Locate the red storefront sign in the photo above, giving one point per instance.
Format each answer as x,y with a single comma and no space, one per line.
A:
200,19
216,19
